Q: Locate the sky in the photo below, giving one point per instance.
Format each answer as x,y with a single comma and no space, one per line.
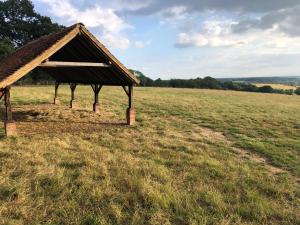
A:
191,38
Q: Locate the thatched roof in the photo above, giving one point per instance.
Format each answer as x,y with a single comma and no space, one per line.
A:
73,44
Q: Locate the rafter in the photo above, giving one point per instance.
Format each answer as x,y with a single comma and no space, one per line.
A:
72,64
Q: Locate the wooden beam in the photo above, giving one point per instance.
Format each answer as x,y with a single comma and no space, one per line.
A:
56,89
96,88
56,100
9,124
8,111
72,64
126,91
73,104
130,95
73,87
1,94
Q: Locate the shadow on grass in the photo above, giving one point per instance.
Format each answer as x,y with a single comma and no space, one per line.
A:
42,119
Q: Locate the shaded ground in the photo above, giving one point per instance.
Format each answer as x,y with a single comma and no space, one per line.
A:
53,119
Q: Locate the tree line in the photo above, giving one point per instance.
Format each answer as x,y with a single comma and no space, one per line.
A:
209,83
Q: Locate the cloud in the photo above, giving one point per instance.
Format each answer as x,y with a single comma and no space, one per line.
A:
283,20
117,5
219,34
257,6
284,15
115,41
191,40
176,12
141,44
105,20
213,34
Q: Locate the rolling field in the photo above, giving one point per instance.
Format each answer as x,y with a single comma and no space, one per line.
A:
193,157
278,86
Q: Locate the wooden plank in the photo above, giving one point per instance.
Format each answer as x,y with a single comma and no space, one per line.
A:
72,64
38,60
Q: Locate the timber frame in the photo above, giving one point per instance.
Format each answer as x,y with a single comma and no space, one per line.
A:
72,56
96,88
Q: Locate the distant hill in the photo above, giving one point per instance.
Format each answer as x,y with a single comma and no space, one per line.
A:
292,81
267,84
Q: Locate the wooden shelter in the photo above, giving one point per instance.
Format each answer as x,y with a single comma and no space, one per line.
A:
72,56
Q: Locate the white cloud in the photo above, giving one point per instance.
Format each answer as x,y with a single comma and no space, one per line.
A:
115,41
191,40
141,44
108,24
213,34
216,34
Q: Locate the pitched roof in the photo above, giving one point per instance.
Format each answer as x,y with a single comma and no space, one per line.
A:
74,44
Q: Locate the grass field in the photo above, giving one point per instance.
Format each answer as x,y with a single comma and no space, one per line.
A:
278,86
193,157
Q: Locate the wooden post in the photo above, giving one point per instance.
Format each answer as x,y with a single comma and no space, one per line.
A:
10,126
73,104
96,88
1,94
130,113
130,94
56,99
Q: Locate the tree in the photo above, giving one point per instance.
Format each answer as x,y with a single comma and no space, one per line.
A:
266,89
211,83
144,81
20,23
297,91
6,48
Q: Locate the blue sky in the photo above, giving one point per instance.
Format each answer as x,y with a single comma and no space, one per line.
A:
191,38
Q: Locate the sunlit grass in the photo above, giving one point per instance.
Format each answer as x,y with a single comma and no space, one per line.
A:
278,86
177,165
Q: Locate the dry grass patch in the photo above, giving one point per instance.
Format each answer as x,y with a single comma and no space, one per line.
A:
278,86
178,164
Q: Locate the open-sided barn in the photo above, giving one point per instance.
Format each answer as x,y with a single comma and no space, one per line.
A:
72,56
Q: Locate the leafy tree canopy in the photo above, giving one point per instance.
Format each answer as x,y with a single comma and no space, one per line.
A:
20,23
6,48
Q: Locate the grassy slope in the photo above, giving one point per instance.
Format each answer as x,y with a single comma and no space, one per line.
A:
277,86
168,169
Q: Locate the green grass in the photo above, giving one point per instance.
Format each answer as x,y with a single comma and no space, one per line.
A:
193,157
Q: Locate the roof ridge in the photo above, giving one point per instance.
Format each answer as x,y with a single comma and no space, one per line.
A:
31,55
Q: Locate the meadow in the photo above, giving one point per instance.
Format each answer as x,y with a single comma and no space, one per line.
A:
278,86
193,157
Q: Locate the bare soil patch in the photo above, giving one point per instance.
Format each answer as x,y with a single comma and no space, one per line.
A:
52,119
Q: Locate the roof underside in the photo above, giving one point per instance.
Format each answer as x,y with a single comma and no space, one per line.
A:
82,50
82,47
